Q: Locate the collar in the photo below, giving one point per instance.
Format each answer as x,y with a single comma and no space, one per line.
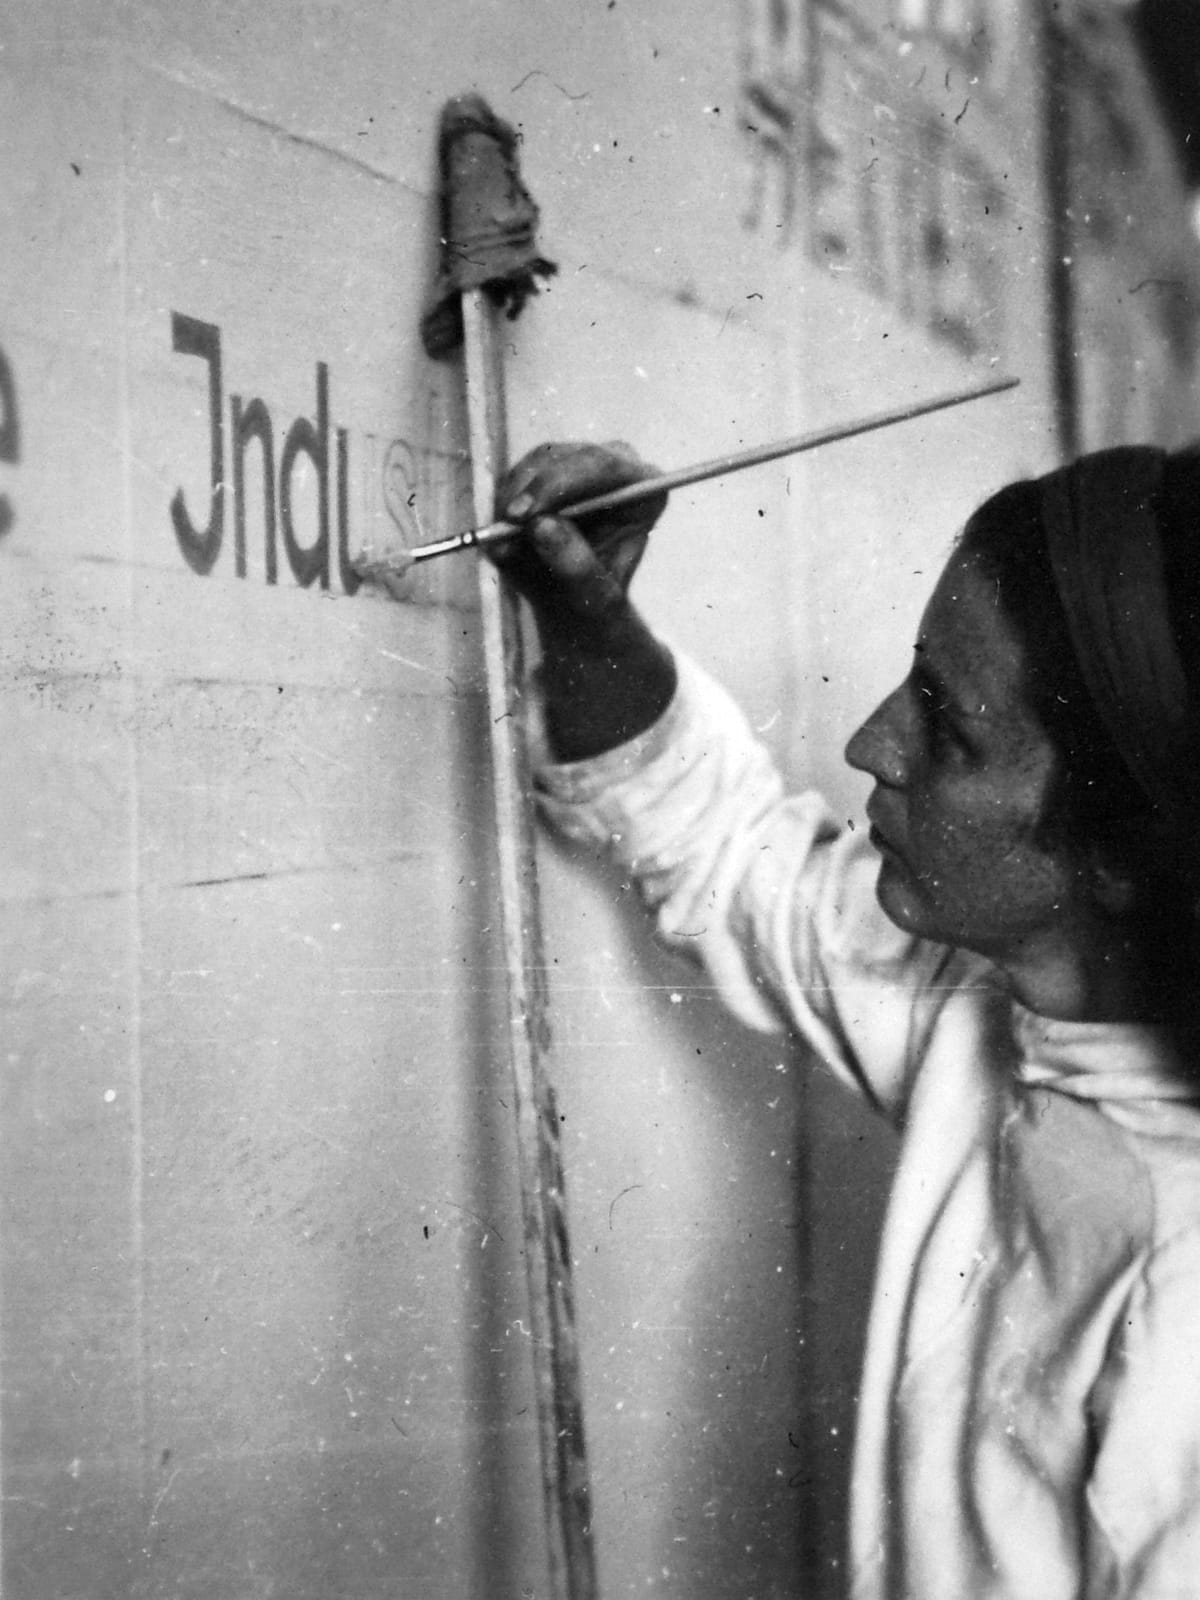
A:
1102,1060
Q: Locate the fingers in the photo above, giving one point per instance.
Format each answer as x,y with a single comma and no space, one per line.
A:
551,547
554,475
559,573
626,558
577,567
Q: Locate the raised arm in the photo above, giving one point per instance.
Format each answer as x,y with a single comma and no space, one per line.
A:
605,676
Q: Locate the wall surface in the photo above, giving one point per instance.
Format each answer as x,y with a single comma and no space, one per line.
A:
263,1326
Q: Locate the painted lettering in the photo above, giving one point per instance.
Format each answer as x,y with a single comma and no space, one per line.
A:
246,423
401,488
392,477
893,201
349,579
201,549
10,437
308,562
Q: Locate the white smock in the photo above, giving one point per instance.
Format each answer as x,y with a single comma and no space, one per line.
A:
1029,1421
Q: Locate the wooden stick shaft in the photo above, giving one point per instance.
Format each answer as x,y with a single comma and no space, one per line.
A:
717,467
557,1379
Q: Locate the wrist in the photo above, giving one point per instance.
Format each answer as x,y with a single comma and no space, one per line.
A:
603,688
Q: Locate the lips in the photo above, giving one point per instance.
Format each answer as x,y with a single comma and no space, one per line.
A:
878,836
887,852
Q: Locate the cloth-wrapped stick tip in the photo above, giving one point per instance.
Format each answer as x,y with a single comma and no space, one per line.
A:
489,222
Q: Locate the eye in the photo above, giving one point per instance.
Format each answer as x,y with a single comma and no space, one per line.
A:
933,708
945,732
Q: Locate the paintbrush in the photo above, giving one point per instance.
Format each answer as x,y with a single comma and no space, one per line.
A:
395,565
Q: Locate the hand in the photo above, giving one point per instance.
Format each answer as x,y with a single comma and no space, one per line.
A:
605,676
574,573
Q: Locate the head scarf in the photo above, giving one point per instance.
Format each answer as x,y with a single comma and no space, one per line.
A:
1110,540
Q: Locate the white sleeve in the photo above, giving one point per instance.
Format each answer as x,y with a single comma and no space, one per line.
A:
765,891
1144,1492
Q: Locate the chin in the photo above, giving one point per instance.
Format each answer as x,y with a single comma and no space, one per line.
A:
890,891
904,906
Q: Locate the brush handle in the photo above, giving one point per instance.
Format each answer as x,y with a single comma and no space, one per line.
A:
717,467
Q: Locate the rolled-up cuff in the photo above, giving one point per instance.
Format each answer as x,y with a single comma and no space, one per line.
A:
580,782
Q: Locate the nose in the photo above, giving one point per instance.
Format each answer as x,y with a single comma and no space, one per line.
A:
879,746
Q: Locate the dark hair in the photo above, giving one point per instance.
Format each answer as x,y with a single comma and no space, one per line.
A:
1179,518
1096,806
1095,800
1094,797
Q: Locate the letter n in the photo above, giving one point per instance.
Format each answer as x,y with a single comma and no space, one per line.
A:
253,423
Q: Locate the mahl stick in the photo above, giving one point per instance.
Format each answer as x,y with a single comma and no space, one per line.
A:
394,565
491,259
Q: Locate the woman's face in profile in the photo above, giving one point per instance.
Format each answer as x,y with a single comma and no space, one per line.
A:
962,771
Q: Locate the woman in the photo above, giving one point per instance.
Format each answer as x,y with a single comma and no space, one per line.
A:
1005,970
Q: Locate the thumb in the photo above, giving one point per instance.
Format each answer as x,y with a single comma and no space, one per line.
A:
581,582
624,560
557,571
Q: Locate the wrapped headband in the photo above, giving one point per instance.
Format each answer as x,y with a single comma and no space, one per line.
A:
1106,534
